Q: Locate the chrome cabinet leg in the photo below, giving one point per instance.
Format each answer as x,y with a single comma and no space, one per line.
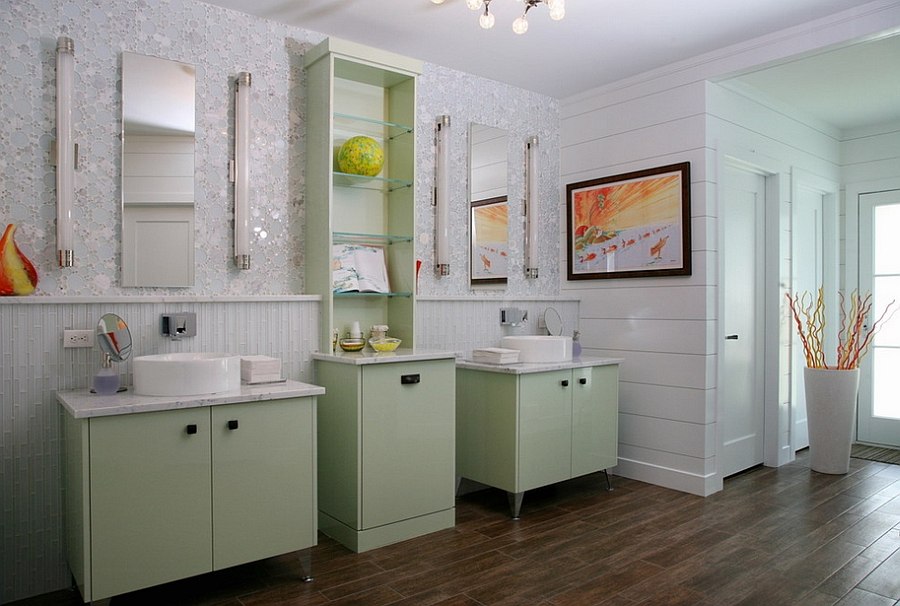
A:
608,485
515,503
306,562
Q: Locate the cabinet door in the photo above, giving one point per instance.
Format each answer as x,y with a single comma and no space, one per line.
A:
263,479
487,409
545,428
595,419
408,440
150,496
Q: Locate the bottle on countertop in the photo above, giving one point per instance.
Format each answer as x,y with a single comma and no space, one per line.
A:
576,344
106,381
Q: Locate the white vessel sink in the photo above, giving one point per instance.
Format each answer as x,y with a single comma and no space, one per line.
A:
186,374
538,348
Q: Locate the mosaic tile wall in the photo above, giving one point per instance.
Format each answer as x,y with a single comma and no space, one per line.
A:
182,30
233,307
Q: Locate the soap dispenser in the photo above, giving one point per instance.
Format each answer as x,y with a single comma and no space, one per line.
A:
576,344
106,381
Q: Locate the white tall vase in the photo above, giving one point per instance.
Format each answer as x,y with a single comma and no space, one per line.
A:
831,412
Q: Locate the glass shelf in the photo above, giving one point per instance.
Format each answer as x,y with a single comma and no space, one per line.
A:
353,293
344,237
383,184
371,127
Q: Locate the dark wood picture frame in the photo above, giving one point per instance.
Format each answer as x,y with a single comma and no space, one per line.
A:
631,225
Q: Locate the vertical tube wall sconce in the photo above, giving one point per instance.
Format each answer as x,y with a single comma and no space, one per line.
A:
442,196
241,171
65,151
531,208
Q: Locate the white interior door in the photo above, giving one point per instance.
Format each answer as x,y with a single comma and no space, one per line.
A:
742,393
878,416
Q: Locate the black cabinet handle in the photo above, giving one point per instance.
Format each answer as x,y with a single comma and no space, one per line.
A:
564,382
583,380
233,424
732,338
410,379
191,429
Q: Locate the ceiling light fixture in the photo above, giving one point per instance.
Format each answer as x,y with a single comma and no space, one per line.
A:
557,9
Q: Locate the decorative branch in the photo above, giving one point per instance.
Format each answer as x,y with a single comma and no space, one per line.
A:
854,337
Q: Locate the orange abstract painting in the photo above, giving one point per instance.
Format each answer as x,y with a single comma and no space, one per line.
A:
631,225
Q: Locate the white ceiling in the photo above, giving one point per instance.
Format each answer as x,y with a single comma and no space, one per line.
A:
598,42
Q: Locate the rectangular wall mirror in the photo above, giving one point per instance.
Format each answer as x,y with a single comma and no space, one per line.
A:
158,127
489,208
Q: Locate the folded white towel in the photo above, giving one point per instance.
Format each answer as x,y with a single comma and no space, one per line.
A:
260,368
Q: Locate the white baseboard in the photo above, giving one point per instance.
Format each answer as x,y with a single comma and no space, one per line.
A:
666,477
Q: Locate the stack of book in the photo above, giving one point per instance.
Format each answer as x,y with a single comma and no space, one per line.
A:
495,355
260,369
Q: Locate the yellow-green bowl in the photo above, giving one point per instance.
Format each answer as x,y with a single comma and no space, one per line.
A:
385,344
352,344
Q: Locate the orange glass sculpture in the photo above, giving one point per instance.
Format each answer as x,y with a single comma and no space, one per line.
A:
17,274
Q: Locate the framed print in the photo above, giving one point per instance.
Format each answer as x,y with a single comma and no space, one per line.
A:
633,225
489,252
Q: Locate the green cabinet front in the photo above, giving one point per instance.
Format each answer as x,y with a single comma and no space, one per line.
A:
263,480
517,432
159,496
408,440
150,491
386,450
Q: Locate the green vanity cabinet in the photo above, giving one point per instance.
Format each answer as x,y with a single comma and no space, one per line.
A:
158,496
522,430
386,449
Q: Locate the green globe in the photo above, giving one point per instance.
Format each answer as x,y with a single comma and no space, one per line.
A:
361,156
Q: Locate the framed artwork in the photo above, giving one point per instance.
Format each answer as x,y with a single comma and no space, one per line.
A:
633,225
489,252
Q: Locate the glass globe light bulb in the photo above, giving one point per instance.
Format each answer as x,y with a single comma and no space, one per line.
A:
486,20
558,12
437,1
520,25
551,4
474,4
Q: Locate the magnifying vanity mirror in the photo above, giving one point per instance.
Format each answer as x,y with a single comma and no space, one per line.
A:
158,127
114,337
114,340
489,228
552,321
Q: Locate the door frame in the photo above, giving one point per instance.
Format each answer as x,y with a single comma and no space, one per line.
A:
774,390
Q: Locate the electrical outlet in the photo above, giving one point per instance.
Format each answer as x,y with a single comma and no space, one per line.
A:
78,338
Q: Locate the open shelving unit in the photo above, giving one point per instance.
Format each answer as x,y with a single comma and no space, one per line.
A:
356,90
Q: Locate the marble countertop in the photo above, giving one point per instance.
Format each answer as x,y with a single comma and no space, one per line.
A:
81,403
521,368
367,356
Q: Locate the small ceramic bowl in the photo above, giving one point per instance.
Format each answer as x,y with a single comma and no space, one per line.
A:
385,344
352,344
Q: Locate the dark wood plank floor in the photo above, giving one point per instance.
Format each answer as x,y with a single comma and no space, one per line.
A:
772,537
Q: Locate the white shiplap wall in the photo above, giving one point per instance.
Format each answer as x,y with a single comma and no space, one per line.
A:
660,326
665,328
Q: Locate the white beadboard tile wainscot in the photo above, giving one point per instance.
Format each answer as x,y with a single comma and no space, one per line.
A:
460,324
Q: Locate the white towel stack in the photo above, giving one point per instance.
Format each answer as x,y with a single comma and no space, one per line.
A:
260,369
495,355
